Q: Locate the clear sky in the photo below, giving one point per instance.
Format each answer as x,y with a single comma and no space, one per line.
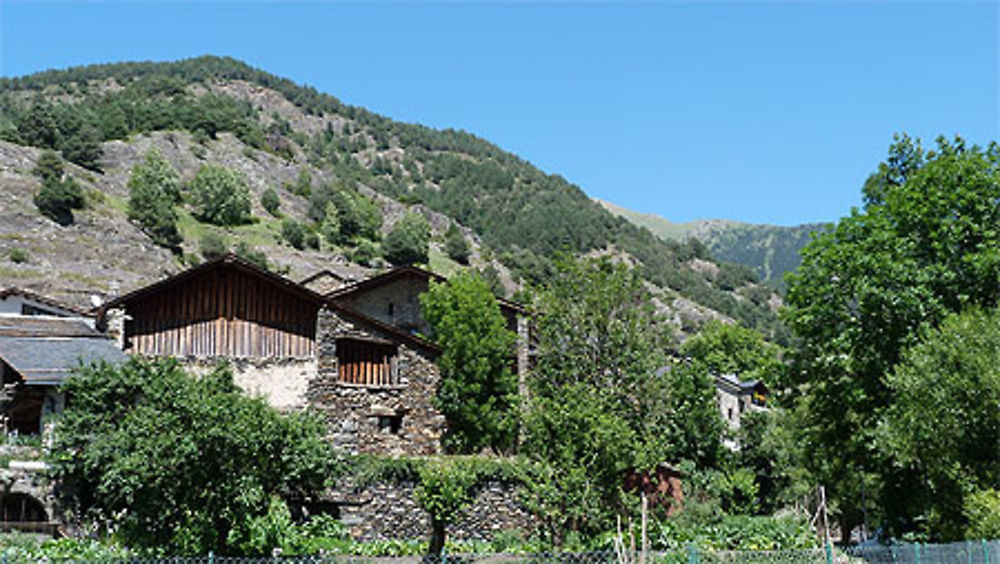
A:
756,111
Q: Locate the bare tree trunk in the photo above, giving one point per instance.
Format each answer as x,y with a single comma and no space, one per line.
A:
437,537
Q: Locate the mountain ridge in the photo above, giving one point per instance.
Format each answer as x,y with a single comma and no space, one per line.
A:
771,250
222,110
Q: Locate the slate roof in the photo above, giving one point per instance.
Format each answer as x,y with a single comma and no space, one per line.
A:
15,291
416,272
44,350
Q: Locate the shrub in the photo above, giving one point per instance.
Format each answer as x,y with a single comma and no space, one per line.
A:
181,463
154,190
456,246
18,256
57,199
213,246
270,202
294,233
982,509
253,255
365,252
221,196
409,241
311,239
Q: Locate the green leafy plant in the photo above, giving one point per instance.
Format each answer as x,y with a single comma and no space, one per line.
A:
154,191
478,390
220,196
408,242
269,201
183,464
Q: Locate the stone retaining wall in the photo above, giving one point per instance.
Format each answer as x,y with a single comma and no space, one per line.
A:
389,511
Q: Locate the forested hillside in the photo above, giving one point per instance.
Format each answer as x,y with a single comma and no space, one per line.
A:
771,250
316,155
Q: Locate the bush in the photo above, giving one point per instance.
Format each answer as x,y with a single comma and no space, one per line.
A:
183,464
409,241
365,252
311,240
270,202
213,246
154,190
221,196
456,246
982,509
252,255
294,233
18,256
57,199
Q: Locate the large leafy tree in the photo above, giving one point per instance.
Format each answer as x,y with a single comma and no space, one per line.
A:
221,196
478,389
942,430
154,191
925,243
728,348
177,463
604,398
409,241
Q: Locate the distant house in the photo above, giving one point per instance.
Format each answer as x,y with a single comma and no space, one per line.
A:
37,353
737,397
394,299
23,302
325,281
372,381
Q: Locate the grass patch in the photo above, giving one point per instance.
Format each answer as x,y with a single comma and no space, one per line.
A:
263,232
441,263
22,273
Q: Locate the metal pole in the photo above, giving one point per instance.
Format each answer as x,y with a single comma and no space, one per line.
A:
986,552
692,553
829,551
916,552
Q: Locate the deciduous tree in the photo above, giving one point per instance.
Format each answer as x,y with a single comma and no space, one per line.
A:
478,391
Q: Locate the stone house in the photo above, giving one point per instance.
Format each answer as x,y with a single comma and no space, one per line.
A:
394,299
37,354
367,370
18,301
737,397
298,349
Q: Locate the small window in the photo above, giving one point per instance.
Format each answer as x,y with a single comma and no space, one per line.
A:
366,363
391,309
390,424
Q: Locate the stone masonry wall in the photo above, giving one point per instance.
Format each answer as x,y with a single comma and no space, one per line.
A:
282,382
353,411
396,303
388,511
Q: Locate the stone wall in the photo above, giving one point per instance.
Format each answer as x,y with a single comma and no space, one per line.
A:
388,511
396,303
355,412
282,382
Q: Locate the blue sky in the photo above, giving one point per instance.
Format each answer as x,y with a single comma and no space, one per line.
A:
756,111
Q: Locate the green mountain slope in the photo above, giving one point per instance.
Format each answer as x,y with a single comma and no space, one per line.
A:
771,250
522,216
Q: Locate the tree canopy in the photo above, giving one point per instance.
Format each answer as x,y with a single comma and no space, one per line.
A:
409,241
924,244
478,390
603,396
178,463
942,429
221,196
154,191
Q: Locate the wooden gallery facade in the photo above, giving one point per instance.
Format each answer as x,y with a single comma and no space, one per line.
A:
298,349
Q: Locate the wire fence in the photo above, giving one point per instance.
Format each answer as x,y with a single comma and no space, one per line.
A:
969,552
